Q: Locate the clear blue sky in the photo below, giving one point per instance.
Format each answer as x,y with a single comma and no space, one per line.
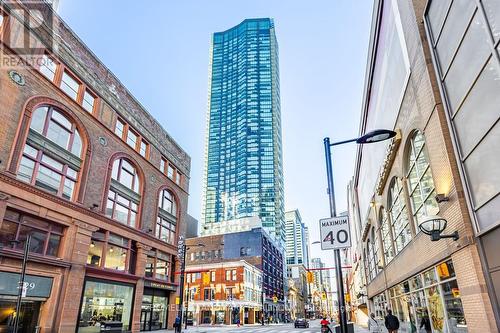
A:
160,49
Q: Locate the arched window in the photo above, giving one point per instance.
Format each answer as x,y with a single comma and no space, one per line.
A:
167,217
52,154
399,216
373,261
385,230
124,193
420,182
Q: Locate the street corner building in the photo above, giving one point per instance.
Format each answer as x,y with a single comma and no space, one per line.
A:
94,181
432,76
237,275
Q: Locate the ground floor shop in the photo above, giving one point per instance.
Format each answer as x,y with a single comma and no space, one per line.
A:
155,307
430,299
223,313
110,304
105,304
274,312
36,293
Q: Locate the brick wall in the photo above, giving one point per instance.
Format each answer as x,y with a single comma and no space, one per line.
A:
61,311
421,109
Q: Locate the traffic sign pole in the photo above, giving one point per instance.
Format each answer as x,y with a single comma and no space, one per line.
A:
338,263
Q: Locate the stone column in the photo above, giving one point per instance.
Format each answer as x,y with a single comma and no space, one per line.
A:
142,254
74,280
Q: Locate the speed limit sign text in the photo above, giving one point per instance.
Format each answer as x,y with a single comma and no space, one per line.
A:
335,233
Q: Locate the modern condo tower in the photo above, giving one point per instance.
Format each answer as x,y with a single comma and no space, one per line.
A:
243,178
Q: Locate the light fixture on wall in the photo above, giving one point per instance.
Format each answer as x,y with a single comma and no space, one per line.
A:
441,197
433,226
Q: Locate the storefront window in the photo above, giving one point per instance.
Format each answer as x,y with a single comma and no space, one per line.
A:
45,235
453,306
103,303
430,277
111,251
446,270
423,301
435,308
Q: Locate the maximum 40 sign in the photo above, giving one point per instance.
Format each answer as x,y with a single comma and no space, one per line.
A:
335,233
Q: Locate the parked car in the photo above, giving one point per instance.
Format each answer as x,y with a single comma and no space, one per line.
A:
301,322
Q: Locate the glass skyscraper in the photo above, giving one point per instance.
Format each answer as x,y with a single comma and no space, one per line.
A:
243,163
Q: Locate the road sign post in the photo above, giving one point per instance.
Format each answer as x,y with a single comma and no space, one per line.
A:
335,233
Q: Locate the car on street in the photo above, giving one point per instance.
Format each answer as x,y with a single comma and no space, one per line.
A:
301,322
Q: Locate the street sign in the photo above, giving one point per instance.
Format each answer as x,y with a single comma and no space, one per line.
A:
335,233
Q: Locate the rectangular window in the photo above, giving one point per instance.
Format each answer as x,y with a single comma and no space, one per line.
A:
47,67
163,163
228,275
132,139
178,178
88,101
114,249
234,275
119,128
143,148
212,277
105,301
45,236
170,171
69,85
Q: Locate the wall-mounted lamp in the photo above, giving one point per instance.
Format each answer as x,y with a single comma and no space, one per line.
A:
434,225
441,197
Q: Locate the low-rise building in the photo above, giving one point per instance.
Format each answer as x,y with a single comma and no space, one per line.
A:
256,247
298,292
228,292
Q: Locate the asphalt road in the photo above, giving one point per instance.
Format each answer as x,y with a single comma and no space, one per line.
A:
314,327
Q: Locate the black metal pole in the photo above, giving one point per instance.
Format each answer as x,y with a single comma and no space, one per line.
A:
181,296
21,284
188,294
262,312
338,263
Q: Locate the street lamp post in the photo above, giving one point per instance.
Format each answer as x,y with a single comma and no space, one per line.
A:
21,290
371,137
183,271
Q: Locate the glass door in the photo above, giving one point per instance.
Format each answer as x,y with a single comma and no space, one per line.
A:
146,309
28,318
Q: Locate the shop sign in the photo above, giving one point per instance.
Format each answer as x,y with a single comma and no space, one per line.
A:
158,285
34,286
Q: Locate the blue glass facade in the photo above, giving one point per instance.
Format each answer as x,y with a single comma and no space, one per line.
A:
243,167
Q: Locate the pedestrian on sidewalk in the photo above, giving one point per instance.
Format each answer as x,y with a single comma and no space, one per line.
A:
391,322
373,324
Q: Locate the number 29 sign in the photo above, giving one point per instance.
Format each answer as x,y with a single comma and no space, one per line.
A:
335,233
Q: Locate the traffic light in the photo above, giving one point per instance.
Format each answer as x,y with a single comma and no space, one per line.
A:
310,277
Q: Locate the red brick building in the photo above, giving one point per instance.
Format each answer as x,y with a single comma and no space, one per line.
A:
224,293
98,184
